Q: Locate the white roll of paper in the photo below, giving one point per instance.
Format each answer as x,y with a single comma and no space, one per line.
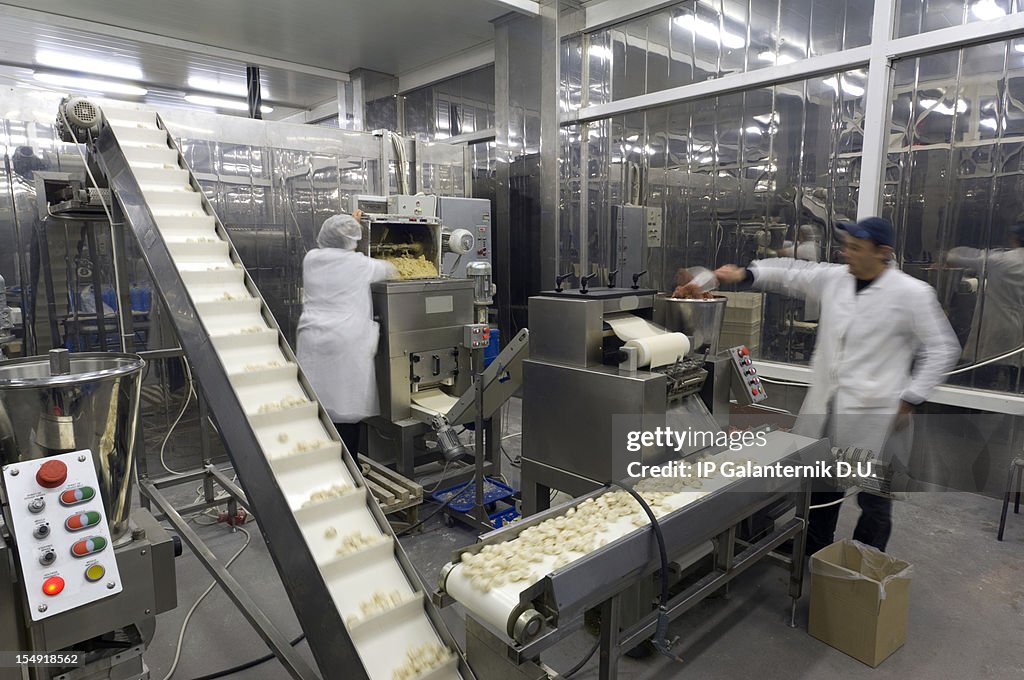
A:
660,350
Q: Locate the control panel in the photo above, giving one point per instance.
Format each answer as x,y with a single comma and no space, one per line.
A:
61,531
747,385
476,335
653,227
420,205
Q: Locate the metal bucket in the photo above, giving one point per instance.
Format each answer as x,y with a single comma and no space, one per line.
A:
701,320
69,402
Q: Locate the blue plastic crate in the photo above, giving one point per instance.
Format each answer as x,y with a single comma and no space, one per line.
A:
503,517
465,494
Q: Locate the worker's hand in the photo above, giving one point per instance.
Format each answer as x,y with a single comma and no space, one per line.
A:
358,214
730,273
903,416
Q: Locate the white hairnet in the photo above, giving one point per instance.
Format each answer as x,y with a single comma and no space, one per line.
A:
340,231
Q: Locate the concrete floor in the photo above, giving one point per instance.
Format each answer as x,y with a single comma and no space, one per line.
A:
966,618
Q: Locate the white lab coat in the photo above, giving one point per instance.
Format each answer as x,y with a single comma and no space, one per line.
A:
337,336
998,325
866,345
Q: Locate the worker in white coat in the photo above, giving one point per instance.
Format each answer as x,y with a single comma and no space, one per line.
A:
998,325
883,345
337,336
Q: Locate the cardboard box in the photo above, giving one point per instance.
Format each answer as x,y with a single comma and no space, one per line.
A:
859,600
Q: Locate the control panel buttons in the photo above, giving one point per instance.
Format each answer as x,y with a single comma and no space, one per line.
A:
41,530
82,520
76,496
47,557
36,505
95,573
53,586
52,474
88,546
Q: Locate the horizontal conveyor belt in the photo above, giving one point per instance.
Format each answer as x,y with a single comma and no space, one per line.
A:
616,546
357,597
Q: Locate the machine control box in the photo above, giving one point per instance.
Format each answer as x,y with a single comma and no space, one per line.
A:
477,336
60,527
747,384
419,205
653,227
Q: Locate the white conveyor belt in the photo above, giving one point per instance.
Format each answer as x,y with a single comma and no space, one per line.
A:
356,559
496,603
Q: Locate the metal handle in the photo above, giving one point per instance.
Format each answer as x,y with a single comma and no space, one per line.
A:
611,278
559,279
636,279
584,280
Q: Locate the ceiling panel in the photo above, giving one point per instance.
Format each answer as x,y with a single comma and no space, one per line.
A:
391,36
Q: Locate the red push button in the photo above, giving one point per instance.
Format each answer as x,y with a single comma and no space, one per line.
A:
53,586
52,474
754,392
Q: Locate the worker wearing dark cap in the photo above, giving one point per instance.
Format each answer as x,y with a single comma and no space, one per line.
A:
997,329
883,345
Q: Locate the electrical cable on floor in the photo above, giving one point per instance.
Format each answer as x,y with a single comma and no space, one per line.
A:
248,664
455,494
188,617
583,662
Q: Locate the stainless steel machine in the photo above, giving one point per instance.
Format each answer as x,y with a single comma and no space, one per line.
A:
600,369
581,393
430,325
91,572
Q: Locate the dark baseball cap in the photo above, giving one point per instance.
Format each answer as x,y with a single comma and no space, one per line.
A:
1018,231
878,229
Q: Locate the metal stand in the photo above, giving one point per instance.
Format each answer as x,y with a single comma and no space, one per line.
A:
293,664
1014,477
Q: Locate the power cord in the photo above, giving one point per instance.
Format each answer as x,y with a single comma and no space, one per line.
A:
583,662
660,639
184,407
248,664
188,617
455,494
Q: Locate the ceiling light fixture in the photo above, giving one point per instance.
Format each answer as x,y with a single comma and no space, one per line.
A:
220,103
232,88
76,62
987,10
711,31
91,84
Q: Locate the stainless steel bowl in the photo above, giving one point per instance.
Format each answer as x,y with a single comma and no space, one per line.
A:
69,402
701,320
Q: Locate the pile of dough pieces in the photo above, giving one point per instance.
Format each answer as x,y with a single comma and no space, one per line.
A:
353,542
287,402
378,604
580,530
332,491
303,446
413,267
422,658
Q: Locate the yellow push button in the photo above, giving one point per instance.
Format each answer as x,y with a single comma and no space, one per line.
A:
95,573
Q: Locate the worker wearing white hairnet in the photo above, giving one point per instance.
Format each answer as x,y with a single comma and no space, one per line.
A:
337,336
883,345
